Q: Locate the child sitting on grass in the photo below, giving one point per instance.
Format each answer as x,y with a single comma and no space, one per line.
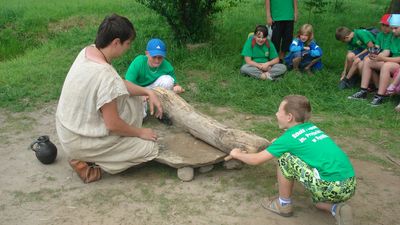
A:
260,57
308,155
304,52
358,42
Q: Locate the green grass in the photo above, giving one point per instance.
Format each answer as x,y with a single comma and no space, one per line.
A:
41,38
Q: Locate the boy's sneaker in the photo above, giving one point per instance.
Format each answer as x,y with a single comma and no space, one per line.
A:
361,94
344,83
344,214
276,207
377,100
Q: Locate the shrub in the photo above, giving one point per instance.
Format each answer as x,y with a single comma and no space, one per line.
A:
190,20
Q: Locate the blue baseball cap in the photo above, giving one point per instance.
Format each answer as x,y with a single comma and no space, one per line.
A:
156,47
394,20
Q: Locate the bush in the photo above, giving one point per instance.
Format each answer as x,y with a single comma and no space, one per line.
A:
190,20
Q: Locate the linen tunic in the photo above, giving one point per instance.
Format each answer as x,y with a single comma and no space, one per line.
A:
80,125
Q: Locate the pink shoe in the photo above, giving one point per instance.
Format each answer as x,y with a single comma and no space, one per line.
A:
390,90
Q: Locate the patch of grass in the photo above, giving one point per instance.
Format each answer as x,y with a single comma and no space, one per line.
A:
35,196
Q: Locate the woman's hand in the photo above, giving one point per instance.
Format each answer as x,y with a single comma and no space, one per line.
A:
154,102
147,134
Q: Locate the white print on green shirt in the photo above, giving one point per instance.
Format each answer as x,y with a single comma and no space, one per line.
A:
313,135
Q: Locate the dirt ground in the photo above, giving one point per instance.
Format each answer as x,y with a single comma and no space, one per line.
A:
33,193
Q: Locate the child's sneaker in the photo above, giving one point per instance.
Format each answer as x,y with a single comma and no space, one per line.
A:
377,100
391,89
276,207
344,83
397,108
361,94
343,214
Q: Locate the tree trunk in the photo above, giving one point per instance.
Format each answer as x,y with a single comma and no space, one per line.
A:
205,128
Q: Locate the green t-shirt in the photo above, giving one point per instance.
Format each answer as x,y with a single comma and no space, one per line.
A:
259,53
282,10
140,73
394,46
361,39
315,148
383,40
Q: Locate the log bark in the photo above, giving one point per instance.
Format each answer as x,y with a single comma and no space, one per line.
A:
205,128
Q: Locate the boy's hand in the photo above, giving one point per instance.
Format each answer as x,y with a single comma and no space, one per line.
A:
236,152
178,89
269,21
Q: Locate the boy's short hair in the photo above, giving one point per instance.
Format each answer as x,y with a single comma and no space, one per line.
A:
261,29
342,32
112,27
298,106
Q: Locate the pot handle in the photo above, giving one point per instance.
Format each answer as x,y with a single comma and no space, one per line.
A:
31,146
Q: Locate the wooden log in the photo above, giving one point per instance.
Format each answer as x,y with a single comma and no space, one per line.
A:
205,128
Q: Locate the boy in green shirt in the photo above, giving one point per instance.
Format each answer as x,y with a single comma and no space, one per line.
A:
308,155
358,42
281,16
153,70
260,57
386,63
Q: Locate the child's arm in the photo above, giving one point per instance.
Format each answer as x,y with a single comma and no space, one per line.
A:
268,12
249,61
295,10
294,46
251,158
315,50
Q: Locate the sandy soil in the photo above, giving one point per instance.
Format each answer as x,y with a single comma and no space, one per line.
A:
33,193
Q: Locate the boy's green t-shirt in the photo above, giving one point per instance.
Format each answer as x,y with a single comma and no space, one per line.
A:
360,39
383,40
315,148
282,10
140,73
259,53
394,46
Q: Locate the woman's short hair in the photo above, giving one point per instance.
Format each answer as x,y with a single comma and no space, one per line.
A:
298,106
112,27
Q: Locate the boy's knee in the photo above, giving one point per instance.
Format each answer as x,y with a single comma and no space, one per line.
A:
166,81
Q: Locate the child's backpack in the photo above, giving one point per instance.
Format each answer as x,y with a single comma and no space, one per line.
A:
373,30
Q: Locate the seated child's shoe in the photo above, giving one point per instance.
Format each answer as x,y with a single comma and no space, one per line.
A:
397,108
391,89
344,83
88,172
344,215
377,100
359,95
276,207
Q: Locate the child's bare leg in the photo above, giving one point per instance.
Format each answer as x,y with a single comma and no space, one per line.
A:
285,185
354,67
384,77
368,68
349,62
296,62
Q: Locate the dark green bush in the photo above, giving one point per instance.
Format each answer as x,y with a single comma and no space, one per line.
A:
190,20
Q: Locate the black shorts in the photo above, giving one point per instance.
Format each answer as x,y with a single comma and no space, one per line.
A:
282,35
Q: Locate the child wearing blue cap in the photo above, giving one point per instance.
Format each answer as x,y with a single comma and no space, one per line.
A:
152,69
386,63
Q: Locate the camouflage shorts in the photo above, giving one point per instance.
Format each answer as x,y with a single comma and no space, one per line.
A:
322,191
